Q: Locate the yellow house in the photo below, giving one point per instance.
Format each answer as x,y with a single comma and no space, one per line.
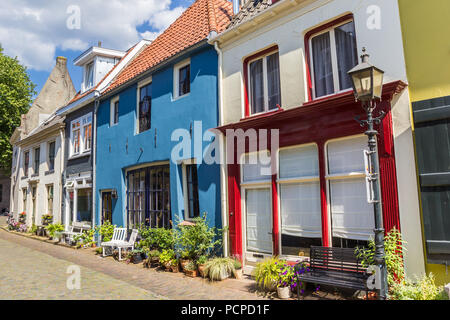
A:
425,30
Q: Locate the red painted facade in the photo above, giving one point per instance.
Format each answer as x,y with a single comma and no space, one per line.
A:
317,122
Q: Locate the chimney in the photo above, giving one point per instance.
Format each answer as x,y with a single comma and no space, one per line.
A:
61,62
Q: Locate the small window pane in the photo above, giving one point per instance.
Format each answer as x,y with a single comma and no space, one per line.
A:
254,169
192,192
323,69
347,54
257,86
184,80
299,162
51,156
273,77
346,156
145,107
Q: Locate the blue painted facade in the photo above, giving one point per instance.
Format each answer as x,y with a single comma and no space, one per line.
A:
120,148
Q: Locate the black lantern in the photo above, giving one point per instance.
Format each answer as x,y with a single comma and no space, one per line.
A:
367,80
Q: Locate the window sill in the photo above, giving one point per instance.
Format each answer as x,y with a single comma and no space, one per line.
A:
49,172
77,156
35,175
24,178
180,97
262,114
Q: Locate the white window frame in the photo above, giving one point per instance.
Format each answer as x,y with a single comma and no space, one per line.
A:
141,84
36,172
112,111
265,82
334,60
176,78
48,154
26,171
84,150
86,85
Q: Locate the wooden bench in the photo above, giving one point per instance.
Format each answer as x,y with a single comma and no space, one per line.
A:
337,267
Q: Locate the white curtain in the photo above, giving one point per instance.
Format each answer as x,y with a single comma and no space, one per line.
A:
258,171
299,162
259,220
346,156
257,86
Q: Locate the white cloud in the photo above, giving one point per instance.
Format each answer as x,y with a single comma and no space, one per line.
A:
33,30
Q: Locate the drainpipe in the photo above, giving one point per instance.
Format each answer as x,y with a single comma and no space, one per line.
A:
94,160
62,171
223,167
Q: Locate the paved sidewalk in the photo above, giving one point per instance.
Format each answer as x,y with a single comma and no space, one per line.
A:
37,270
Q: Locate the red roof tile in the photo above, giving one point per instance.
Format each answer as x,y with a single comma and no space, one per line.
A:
193,26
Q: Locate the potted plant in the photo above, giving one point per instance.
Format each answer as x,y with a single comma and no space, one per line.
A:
47,219
153,258
53,229
166,257
190,269
266,273
219,269
184,259
135,256
237,268
285,276
22,217
201,265
174,266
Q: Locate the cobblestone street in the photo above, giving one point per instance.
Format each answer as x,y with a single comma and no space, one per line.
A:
34,269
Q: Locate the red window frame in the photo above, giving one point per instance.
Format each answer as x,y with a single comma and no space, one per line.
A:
246,78
308,57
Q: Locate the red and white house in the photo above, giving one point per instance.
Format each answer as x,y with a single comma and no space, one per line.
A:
284,66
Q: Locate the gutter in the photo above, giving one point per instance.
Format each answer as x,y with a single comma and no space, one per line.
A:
94,158
223,169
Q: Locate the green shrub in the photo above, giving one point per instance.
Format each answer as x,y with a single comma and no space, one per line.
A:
54,228
219,268
106,231
202,260
166,256
423,289
85,239
199,239
267,273
394,249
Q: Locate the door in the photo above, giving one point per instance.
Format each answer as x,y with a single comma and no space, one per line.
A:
33,202
258,214
106,207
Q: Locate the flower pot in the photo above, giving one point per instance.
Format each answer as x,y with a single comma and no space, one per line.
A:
201,270
154,262
174,268
184,262
238,274
136,258
191,273
284,292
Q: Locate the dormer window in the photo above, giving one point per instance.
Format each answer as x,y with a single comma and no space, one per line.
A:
89,76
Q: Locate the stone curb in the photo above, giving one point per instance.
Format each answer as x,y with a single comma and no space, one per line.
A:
25,235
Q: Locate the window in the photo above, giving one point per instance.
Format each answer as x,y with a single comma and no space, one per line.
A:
114,112
89,76
24,199
264,83
352,217
50,199
148,196
51,156
182,79
145,107
333,54
84,205
37,160
26,162
300,210
81,135
191,195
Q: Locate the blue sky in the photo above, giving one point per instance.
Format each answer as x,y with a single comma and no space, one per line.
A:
37,31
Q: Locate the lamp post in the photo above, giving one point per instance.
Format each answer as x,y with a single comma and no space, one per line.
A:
367,86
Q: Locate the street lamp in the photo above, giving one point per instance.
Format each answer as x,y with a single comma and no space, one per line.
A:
367,86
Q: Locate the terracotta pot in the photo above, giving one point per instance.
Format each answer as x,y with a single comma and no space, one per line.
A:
371,296
238,274
284,292
191,273
201,270
184,262
174,268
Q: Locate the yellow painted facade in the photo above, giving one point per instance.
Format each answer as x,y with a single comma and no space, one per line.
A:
426,29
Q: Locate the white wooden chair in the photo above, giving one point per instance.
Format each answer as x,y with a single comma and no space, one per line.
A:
119,236
74,230
127,244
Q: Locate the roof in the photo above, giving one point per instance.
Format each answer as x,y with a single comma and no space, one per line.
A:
48,123
250,9
193,26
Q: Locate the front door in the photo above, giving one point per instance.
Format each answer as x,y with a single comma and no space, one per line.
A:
258,214
106,207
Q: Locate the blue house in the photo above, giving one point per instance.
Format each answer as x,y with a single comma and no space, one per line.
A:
152,121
